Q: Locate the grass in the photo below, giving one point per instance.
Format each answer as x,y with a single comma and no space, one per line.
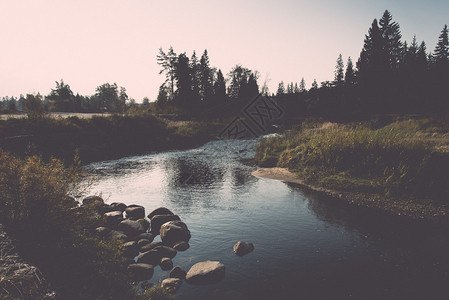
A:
100,138
407,158
38,209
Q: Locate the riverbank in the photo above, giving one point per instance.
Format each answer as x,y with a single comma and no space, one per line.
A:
101,137
400,168
400,207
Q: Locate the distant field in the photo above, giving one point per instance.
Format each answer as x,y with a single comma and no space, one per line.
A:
55,115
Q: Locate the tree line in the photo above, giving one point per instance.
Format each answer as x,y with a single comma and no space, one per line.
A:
391,76
192,82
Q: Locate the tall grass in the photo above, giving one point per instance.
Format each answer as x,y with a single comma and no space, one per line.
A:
51,231
404,158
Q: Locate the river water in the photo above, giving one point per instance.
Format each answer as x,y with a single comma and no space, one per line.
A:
307,246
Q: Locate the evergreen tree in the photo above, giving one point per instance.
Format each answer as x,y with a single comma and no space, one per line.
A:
441,53
162,97
168,63
236,76
183,80
252,87
123,97
220,87
195,75
206,78
314,85
281,89
349,74
107,97
302,86
339,71
391,39
296,89
290,88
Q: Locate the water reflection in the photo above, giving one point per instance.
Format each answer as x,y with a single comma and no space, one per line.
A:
307,245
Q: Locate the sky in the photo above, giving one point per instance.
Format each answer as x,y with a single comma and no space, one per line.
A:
90,42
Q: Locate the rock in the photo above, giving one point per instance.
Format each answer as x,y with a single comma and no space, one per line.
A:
150,246
116,235
160,211
146,235
135,212
102,231
158,220
145,223
165,251
166,263
151,257
113,218
181,246
130,249
171,284
117,206
206,272
242,248
178,272
140,272
173,232
142,242
131,228
93,200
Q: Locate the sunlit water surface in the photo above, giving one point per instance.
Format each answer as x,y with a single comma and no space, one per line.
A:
306,246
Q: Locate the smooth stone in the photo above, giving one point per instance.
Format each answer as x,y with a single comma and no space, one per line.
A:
172,285
146,235
242,248
113,218
117,206
166,263
145,223
158,220
135,212
165,251
160,211
181,246
206,272
131,228
130,249
140,271
178,272
151,257
150,246
174,232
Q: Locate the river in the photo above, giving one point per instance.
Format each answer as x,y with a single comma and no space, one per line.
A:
307,246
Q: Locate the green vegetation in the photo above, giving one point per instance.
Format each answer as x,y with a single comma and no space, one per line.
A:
100,138
51,230
405,159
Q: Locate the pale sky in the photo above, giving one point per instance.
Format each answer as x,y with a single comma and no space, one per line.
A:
90,42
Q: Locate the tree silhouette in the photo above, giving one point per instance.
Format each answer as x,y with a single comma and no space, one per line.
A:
281,89
206,78
349,73
168,63
339,71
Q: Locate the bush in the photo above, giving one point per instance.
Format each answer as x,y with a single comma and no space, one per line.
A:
54,233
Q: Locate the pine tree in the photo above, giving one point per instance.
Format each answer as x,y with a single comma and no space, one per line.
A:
168,63
290,88
391,40
441,53
281,89
206,78
314,85
349,74
195,75
220,87
302,86
296,89
235,76
183,80
339,71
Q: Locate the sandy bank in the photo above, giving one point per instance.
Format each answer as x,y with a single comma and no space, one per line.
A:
420,210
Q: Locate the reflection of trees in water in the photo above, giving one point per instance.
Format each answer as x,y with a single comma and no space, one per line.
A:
190,172
370,222
241,177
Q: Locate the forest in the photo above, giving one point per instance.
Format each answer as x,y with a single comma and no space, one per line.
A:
391,76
